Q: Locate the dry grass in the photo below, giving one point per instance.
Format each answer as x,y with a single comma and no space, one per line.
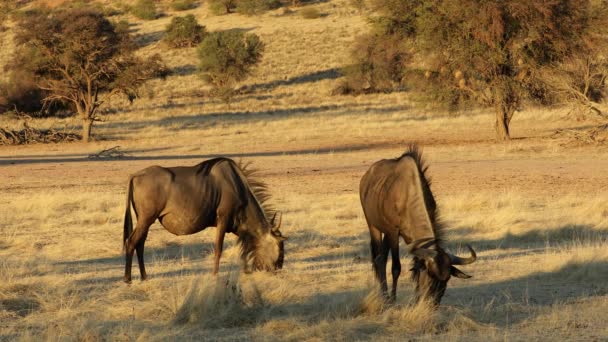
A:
61,270
535,210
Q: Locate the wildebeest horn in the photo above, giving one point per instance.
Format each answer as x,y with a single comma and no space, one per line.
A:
417,244
456,260
420,251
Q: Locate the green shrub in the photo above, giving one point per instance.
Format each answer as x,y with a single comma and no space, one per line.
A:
227,57
182,5
184,32
144,9
253,7
310,13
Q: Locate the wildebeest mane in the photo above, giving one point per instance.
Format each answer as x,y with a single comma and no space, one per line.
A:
415,152
250,247
257,187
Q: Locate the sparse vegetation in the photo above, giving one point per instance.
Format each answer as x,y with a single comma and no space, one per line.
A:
144,9
184,32
254,7
220,7
226,58
183,5
310,13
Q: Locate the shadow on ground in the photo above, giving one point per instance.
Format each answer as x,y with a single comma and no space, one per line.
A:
536,237
328,74
79,158
519,296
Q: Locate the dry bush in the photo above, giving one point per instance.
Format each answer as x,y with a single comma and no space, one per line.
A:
255,7
220,7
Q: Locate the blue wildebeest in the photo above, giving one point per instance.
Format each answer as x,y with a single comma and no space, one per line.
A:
398,203
186,200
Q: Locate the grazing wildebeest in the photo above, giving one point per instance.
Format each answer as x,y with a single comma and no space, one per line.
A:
397,202
186,200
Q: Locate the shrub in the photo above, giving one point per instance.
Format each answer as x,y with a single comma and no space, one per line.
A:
182,5
379,65
144,9
253,7
310,13
227,57
219,7
21,93
184,32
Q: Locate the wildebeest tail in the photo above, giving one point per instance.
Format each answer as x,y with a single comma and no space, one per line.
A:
128,224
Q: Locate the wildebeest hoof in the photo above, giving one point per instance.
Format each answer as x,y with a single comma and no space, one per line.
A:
127,281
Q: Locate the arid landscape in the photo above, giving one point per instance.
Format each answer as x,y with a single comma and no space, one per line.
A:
535,208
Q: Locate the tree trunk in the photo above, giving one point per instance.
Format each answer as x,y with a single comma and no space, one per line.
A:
502,125
87,123
504,114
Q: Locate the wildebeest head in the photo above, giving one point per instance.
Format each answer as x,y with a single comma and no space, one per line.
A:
433,268
270,250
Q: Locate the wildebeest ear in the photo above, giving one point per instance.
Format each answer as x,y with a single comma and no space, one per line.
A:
458,273
273,221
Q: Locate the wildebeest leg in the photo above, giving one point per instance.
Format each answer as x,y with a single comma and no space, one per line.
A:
139,234
379,257
396,264
139,249
222,227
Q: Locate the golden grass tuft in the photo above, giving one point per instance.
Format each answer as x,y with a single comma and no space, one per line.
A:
219,301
